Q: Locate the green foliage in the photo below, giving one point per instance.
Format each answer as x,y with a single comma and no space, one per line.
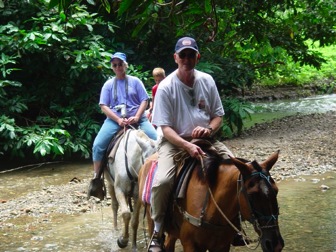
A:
244,40
293,73
236,111
51,73
54,61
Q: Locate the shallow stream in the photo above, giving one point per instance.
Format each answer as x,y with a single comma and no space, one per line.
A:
267,111
307,213
307,216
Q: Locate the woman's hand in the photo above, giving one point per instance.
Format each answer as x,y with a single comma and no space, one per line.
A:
132,120
122,122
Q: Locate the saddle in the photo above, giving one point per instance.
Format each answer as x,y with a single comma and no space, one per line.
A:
185,165
97,186
113,145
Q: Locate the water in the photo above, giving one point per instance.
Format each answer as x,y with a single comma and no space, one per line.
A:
267,111
307,213
307,216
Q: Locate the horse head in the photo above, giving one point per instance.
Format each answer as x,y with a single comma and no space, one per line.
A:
258,200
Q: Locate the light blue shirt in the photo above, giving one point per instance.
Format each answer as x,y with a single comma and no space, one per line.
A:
132,96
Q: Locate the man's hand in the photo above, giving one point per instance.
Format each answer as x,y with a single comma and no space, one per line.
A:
195,151
201,132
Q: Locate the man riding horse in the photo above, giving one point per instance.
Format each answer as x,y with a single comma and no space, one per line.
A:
188,106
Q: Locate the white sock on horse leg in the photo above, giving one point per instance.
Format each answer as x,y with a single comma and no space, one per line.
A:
157,226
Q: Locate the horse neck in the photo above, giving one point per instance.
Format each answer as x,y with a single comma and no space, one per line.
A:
225,192
129,149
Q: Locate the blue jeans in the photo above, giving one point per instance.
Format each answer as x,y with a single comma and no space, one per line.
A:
109,129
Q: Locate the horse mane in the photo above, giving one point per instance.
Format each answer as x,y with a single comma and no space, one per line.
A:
211,163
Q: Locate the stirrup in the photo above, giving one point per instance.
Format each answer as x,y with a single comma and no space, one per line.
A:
156,244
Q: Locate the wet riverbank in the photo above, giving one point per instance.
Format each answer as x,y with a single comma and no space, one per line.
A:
306,143
44,202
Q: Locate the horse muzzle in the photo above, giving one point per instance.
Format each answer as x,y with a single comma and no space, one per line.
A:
272,242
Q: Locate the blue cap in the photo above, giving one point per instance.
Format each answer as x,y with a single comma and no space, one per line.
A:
184,43
119,55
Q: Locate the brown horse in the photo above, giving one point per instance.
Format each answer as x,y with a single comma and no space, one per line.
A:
220,194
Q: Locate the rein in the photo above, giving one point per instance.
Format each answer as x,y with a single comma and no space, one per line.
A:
130,176
133,180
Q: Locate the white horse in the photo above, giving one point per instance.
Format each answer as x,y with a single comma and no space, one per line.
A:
122,177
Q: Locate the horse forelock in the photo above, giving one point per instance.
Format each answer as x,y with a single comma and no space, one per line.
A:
256,165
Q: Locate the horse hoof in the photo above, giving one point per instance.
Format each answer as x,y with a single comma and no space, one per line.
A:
122,243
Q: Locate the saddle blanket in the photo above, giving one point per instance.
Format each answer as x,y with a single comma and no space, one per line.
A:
146,194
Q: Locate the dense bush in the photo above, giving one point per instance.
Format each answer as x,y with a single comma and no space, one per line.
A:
52,69
54,60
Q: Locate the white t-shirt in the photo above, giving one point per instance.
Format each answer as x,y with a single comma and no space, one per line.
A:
184,108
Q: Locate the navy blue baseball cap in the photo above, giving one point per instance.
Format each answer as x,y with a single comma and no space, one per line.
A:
184,43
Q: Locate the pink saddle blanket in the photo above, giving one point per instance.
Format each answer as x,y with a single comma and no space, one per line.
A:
146,194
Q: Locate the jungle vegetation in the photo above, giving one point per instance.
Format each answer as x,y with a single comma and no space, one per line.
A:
54,58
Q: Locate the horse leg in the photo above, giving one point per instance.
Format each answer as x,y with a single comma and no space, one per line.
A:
126,216
150,222
114,204
226,249
191,248
135,223
170,243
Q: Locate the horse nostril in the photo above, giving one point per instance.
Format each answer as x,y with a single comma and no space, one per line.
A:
268,246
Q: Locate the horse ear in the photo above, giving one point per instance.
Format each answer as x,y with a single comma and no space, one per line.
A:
244,168
269,162
147,145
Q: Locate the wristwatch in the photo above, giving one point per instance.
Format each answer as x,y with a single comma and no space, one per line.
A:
211,130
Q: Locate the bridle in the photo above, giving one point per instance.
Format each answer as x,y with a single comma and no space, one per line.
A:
268,221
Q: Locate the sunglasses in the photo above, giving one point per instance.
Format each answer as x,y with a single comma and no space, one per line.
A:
192,95
115,65
190,55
